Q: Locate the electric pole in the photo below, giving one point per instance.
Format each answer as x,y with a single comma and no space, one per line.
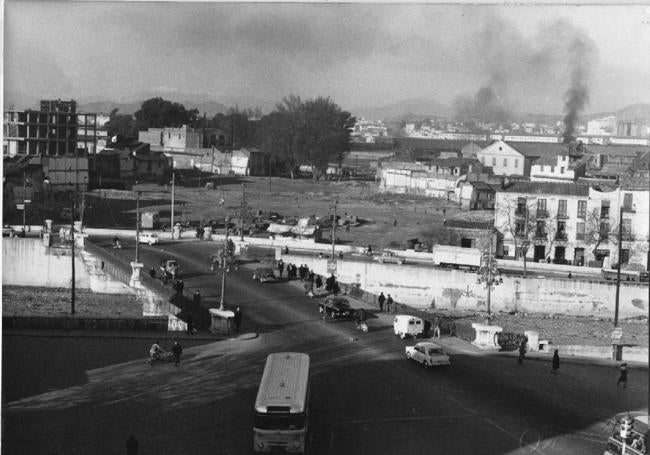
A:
137,226
72,287
171,227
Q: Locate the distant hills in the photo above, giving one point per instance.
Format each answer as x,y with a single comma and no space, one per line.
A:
407,110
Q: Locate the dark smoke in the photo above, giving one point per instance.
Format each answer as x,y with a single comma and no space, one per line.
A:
483,107
577,96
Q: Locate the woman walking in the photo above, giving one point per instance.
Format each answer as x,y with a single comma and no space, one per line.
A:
555,363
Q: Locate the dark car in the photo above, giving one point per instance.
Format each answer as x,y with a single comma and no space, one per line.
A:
335,308
263,274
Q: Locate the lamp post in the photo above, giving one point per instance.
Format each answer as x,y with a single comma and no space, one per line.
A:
72,286
489,274
137,226
334,221
171,222
224,266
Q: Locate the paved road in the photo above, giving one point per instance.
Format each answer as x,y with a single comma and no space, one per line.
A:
367,398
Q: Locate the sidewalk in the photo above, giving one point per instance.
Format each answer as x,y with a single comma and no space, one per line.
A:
459,345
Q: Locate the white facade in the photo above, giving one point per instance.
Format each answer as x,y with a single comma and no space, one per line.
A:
561,170
503,159
577,214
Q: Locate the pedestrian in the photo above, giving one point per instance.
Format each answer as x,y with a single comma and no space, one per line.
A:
389,304
190,325
381,300
177,350
237,319
622,379
319,281
152,272
131,446
436,327
196,298
522,352
280,267
179,286
555,363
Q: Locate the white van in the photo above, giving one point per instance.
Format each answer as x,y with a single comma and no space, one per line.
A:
148,237
405,325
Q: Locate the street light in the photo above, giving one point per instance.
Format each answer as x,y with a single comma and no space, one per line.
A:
226,259
488,273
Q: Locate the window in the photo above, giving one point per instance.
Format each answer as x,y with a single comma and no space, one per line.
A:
582,209
552,169
561,208
540,229
494,161
521,206
627,229
505,162
561,231
604,231
604,210
627,201
516,163
483,160
561,170
520,228
541,204
580,230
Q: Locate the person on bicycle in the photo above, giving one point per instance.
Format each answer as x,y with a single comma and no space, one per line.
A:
155,350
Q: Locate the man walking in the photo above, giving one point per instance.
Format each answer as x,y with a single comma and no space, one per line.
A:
237,319
177,350
197,297
381,300
389,304
555,363
522,353
280,267
436,327
622,379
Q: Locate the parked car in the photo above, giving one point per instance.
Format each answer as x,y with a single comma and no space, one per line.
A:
148,237
336,307
389,257
405,325
427,353
263,274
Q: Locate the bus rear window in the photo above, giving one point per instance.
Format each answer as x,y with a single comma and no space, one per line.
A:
280,422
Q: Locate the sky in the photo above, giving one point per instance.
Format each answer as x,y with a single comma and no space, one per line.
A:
359,54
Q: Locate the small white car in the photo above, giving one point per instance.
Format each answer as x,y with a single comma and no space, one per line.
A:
389,257
428,354
150,238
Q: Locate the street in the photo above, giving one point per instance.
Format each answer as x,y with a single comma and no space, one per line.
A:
366,397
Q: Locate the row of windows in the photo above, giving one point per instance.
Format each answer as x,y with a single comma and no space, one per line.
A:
505,162
602,230
582,207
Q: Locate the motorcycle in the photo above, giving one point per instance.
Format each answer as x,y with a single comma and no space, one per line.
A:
162,357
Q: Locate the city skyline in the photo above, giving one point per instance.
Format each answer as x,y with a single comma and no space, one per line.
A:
361,55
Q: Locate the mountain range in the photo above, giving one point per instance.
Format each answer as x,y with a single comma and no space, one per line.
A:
409,110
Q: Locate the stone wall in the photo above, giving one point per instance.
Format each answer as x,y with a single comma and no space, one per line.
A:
423,286
27,262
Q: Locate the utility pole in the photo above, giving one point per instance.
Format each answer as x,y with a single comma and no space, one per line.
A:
172,216
83,201
334,229
489,282
137,226
25,201
224,266
618,269
72,287
241,217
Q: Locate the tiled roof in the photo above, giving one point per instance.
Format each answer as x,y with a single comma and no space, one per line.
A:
482,186
451,162
568,189
436,144
470,224
546,160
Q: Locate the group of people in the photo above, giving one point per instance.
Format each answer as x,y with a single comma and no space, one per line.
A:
385,303
302,272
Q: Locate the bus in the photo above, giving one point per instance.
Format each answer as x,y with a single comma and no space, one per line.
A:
282,404
626,275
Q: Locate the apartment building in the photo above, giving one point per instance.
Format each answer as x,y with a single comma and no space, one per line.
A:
506,160
170,139
570,223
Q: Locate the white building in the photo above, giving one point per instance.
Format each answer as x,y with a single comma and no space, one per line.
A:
558,168
574,223
505,160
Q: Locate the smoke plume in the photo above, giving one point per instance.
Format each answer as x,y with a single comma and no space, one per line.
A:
577,96
483,107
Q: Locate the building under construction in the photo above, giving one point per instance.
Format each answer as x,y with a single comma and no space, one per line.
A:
54,130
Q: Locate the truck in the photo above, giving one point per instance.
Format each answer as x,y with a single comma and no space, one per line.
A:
456,257
150,220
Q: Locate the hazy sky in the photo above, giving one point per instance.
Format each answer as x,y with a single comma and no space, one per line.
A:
363,54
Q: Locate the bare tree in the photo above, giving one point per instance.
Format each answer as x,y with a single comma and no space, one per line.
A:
601,230
519,220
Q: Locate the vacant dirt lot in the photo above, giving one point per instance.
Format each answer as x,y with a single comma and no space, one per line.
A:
384,219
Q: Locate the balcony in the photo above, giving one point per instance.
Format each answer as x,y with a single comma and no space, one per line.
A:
628,209
561,236
562,215
542,213
520,212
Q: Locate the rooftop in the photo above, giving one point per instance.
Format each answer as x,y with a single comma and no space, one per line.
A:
470,224
568,189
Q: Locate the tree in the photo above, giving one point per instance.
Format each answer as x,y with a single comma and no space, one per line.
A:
123,126
160,113
238,126
599,230
520,221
